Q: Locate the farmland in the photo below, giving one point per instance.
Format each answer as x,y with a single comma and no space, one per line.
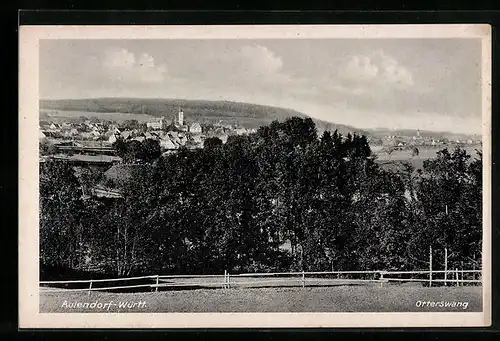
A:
65,115
395,159
366,298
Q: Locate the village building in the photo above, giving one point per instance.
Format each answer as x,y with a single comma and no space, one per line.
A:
127,134
66,126
240,131
195,128
155,125
167,143
95,133
178,122
223,138
112,138
149,135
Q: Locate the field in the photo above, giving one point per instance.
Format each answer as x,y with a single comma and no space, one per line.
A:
366,298
65,115
425,153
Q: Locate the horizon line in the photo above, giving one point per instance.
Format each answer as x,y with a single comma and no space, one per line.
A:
374,129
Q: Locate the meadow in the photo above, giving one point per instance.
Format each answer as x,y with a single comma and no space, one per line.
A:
65,115
395,159
363,298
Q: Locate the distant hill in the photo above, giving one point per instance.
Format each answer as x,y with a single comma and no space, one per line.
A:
203,111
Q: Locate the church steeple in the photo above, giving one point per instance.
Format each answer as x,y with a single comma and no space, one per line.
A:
180,116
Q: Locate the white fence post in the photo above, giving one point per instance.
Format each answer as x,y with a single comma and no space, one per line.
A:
228,280
303,279
456,275
445,265
157,281
90,288
430,266
225,279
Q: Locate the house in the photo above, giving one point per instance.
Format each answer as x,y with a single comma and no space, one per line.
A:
86,135
183,139
174,137
173,134
240,131
223,138
195,128
113,129
152,136
67,134
155,125
198,139
158,134
126,134
167,143
66,126
112,138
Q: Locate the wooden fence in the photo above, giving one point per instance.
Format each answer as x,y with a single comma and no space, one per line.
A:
278,279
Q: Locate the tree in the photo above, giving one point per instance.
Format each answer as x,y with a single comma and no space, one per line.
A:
235,206
212,142
450,198
151,150
47,148
130,124
62,230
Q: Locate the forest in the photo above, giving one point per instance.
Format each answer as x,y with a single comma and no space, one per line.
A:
282,199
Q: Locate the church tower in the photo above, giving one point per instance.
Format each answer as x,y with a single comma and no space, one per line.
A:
180,117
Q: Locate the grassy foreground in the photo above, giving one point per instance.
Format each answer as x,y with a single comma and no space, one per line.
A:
312,299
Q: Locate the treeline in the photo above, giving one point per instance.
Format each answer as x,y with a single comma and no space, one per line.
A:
281,199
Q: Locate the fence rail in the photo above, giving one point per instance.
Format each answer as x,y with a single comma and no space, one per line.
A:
274,279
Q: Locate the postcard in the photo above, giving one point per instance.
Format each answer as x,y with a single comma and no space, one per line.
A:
297,176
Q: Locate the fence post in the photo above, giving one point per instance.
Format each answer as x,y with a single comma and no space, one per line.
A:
462,276
225,279
228,280
445,265
381,279
90,287
430,266
303,279
157,281
456,275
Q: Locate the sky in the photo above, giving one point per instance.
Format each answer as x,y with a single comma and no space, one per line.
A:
428,84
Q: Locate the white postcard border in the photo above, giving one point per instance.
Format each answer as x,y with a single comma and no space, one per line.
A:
29,316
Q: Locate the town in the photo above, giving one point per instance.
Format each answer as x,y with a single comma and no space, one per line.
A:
92,144
171,134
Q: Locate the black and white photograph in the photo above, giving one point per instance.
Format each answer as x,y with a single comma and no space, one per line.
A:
306,171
